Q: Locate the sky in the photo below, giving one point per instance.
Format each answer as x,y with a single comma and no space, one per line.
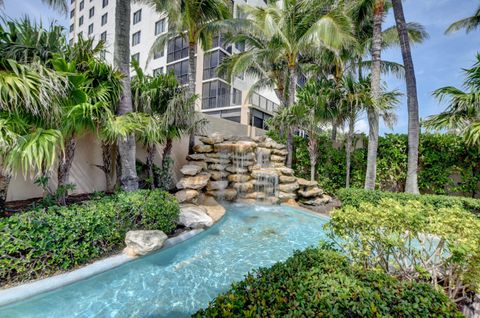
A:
438,61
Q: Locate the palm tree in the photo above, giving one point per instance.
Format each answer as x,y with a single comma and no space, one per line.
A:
121,59
411,185
469,24
463,112
196,22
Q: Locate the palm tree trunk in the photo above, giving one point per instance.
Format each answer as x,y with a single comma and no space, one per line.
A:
151,150
165,180
109,155
372,113
292,89
121,58
4,183
191,86
64,166
411,185
313,151
167,151
334,131
351,131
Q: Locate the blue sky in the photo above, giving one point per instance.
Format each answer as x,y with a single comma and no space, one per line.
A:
438,61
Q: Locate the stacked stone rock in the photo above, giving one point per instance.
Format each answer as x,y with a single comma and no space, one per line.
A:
242,168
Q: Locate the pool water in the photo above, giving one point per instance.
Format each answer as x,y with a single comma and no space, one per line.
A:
179,280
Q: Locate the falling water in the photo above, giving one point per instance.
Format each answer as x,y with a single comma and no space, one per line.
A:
266,181
241,162
224,156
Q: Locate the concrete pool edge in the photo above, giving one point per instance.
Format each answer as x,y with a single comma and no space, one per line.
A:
28,290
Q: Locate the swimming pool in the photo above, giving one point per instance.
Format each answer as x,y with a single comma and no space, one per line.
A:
179,280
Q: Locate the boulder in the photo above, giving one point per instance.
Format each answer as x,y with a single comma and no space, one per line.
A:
196,157
214,138
238,147
306,183
286,196
277,158
243,186
255,196
201,164
194,217
288,187
217,185
143,242
216,166
264,173
213,208
291,202
195,183
280,152
287,179
219,160
186,195
228,194
259,139
190,170
202,148
315,192
218,175
236,170
242,163
318,201
285,171
238,178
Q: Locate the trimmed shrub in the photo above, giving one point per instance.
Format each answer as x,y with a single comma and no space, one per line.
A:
44,241
319,282
355,197
413,240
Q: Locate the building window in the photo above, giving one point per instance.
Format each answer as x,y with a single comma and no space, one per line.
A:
211,61
102,54
159,26
258,119
263,103
158,71
72,13
104,3
136,57
82,5
137,16
90,29
180,69
228,114
136,38
236,97
158,54
80,34
103,37
104,19
177,49
80,21
71,27
91,12
215,94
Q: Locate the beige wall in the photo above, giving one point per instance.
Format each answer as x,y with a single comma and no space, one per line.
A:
88,178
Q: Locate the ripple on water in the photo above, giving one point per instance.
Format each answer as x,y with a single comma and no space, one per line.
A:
177,281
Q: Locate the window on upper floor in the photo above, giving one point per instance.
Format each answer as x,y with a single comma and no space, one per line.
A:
72,13
104,19
158,54
91,12
177,49
180,69
236,97
136,57
90,29
103,36
211,60
80,21
159,26
71,27
104,3
137,16
80,34
215,94
136,38
81,5
158,71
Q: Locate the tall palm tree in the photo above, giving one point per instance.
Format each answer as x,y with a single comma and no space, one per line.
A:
411,185
463,111
121,59
469,24
197,22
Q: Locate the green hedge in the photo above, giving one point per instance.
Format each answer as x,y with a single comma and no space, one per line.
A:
44,241
354,197
321,283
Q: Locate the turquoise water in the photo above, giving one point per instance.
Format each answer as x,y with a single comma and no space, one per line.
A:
178,281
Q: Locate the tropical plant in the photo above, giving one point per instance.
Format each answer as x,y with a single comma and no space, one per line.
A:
463,112
411,184
469,24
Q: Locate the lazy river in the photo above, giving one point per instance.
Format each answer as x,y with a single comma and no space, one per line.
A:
177,281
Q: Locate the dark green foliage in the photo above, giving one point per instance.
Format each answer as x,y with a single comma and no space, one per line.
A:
44,241
321,283
441,156
355,197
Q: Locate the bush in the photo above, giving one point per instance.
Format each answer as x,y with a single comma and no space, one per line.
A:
355,197
43,241
321,283
413,240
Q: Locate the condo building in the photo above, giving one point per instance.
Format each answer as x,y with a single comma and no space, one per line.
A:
217,96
